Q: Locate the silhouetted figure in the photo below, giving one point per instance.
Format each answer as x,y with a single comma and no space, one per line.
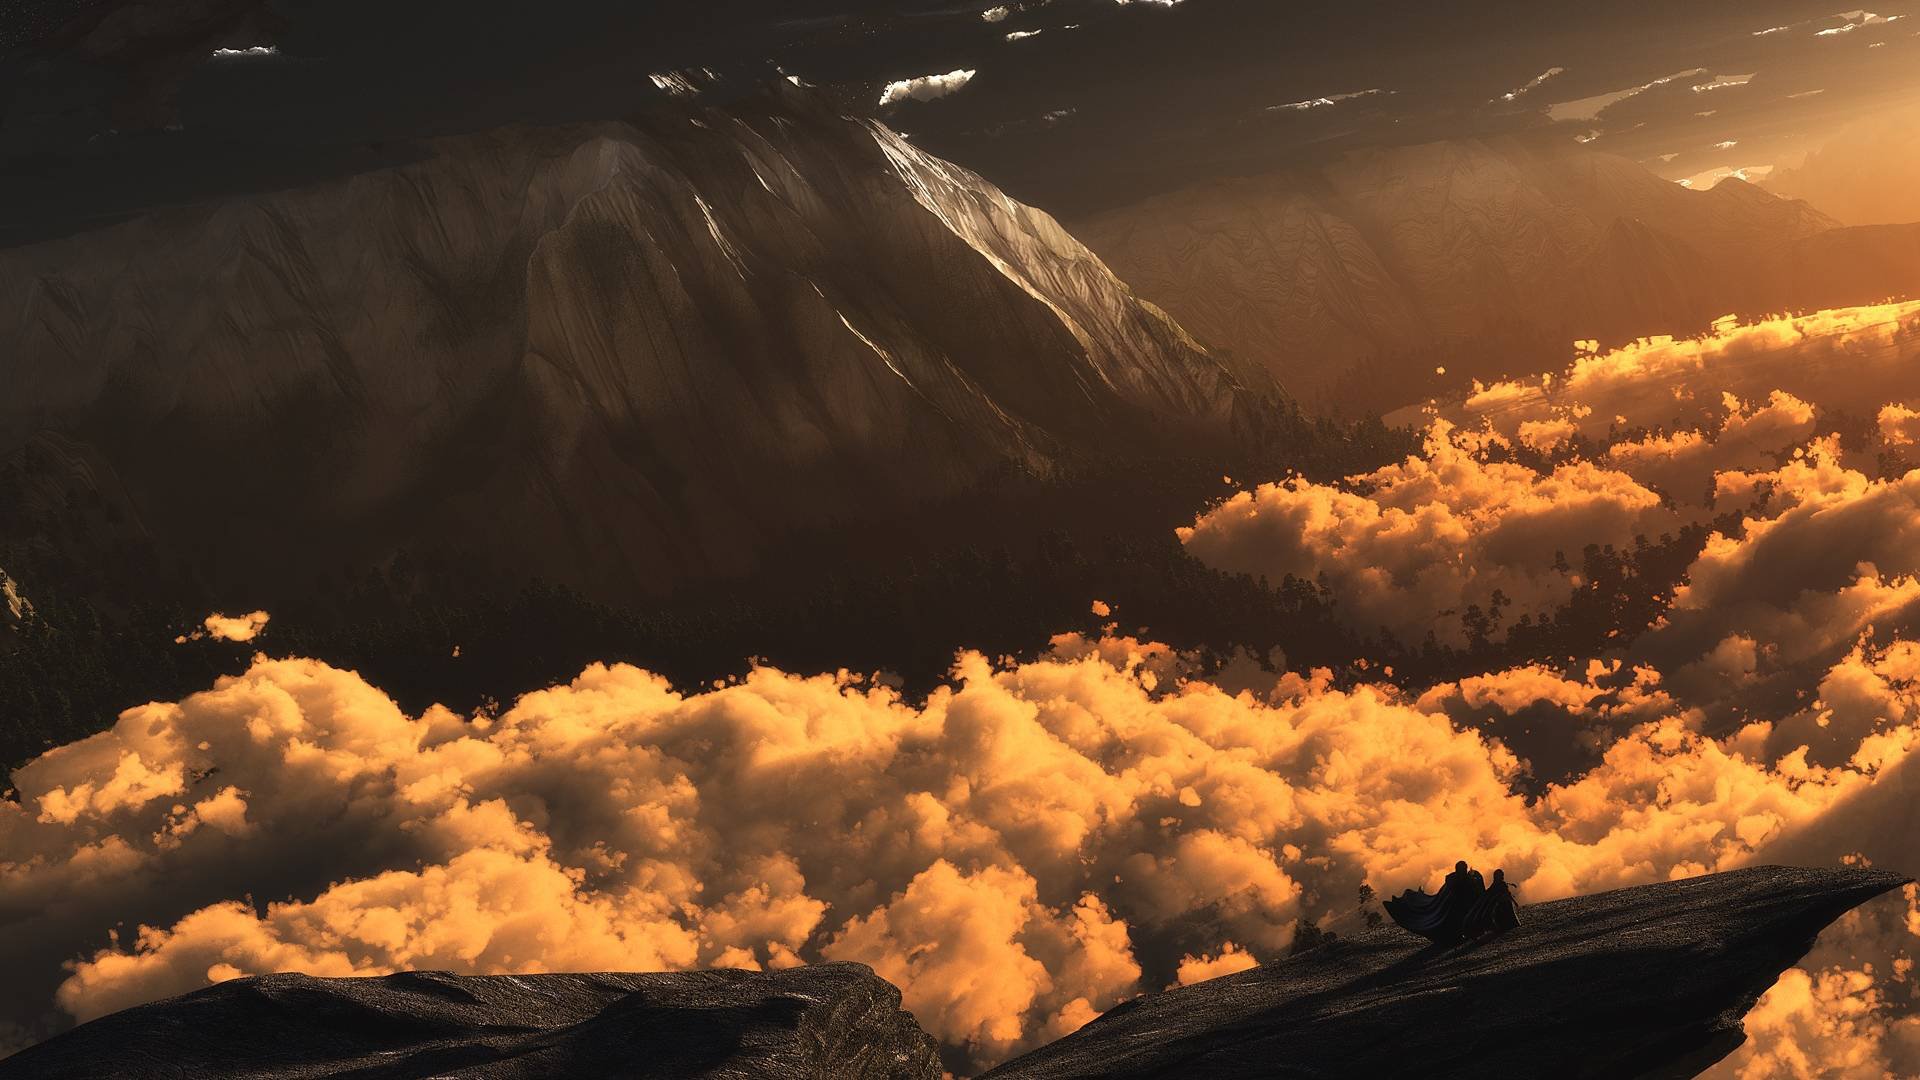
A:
1496,913
1443,916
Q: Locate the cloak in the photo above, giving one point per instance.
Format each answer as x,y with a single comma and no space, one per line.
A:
1495,913
1443,915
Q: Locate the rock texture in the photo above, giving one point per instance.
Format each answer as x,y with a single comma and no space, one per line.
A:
1352,282
14,608
1644,982
613,355
833,1020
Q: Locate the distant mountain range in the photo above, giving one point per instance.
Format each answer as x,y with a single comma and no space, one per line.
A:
617,355
628,356
1352,283
1867,174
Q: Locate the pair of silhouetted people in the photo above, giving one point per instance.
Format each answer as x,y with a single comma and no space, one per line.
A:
1465,907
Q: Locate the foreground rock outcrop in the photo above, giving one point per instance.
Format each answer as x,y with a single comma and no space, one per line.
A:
831,1020
1644,982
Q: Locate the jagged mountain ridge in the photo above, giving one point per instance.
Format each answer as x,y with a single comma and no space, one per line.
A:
1352,281
613,355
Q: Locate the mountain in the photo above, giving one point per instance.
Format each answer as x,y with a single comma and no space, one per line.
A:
612,355
1868,173
1642,982
1351,282
831,1020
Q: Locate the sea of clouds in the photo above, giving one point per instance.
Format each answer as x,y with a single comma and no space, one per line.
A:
1041,839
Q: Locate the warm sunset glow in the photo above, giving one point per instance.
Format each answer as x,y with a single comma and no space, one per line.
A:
992,850
959,537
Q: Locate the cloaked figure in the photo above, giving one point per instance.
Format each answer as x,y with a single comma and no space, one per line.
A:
1496,913
1441,917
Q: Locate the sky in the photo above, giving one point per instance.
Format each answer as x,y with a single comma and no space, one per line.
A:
1079,104
1147,96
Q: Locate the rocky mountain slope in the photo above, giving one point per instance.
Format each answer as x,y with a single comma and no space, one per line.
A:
1644,982
614,355
14,608
831,1020
1354,281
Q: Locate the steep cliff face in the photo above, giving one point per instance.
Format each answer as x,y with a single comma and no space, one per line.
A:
1352,282
1644,982
832,1020
615,355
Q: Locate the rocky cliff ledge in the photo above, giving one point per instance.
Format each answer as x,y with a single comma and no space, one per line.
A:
1645,982
832,1020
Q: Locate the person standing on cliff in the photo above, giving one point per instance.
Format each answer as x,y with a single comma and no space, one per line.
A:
1441,917
1497,912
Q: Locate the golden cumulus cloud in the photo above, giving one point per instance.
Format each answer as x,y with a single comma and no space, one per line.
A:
1407,548
1036,841
1008,850
1849,359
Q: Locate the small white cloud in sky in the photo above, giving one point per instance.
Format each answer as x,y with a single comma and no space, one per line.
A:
1857,19
1537,82
228,628
926,87
1721,82
1323,102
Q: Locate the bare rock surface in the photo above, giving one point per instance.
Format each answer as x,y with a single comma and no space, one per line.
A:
616,355
1644,982
830,1020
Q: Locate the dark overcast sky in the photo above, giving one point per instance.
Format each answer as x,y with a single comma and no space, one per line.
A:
1136,98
